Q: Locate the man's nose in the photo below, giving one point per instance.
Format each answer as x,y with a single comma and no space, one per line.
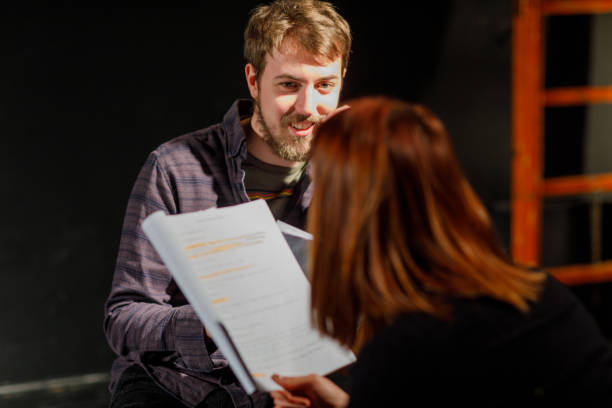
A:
306,103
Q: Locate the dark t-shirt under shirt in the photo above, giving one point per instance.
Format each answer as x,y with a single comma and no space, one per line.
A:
274,184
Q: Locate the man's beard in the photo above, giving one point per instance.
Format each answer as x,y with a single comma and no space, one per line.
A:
285,145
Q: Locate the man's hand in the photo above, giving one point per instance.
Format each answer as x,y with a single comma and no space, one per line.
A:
336,111
319,391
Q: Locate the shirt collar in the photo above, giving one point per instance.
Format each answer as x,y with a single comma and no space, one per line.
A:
236,139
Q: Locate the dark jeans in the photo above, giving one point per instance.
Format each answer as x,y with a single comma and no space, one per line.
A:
137,390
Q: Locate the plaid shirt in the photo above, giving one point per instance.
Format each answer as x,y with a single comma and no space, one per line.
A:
147,319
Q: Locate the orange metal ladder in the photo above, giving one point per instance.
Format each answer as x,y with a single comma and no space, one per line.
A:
530,98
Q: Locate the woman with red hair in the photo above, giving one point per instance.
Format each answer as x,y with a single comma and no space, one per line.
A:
406,269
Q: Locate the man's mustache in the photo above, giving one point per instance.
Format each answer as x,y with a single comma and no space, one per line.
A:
295,117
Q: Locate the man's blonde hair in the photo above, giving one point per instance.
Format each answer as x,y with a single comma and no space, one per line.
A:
312,25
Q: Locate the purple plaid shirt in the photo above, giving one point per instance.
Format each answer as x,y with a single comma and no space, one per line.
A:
147,319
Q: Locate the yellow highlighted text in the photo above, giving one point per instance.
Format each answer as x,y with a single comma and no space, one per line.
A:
224,271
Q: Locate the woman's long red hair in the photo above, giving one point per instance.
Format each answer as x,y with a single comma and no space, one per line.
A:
397,228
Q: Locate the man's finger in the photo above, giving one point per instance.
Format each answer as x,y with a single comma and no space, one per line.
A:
337,111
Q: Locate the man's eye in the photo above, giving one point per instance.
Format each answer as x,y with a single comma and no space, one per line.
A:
326,85
288,85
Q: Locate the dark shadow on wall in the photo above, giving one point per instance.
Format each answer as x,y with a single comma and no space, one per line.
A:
87,93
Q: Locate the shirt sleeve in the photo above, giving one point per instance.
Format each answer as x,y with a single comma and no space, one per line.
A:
140,314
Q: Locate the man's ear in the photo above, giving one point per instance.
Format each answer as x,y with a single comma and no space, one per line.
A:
251,78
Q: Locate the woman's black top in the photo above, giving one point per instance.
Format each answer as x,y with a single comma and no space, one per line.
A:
489,354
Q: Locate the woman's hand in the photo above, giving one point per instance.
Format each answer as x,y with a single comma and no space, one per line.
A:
284,399
319,392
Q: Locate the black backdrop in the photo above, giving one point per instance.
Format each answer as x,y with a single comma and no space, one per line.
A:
86,94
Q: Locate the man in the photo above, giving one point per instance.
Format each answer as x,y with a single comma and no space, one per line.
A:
297,53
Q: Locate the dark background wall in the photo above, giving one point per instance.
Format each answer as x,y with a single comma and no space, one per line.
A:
86,94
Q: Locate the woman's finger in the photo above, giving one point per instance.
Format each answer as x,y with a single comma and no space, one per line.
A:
285,399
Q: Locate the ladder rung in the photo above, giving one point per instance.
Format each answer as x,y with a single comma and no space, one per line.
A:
583,274
579,95
551,7
573,185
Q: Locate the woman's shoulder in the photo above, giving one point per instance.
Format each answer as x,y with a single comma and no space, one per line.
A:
484,327
556,342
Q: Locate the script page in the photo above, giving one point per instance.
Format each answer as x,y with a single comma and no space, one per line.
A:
258,291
